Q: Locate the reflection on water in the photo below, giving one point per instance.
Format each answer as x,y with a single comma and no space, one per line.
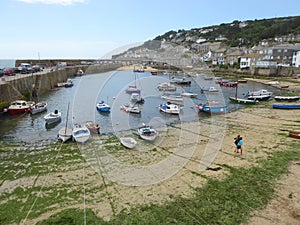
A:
110,87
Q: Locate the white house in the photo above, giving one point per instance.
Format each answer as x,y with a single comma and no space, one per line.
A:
296,59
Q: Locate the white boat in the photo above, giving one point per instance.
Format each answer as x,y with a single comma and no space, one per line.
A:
53,117
103,107
259,92
79,73
136,98
273,82
128,142
182,81
38,107
172,97
189,94
147,133
166,86
209,89
133,88
93,127
131,108
287,98
80,133
65,133
170,108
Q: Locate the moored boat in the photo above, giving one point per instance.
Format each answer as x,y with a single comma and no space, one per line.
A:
286,106
166,86
147,133
259,97
65,133
38,107
294,134
176,97
243,101
20,106
189,94
53,117
128,142
209,89
287,98
170,108
212,107
79,73
182,81
80,133
93,127
136,98
102,106
131,108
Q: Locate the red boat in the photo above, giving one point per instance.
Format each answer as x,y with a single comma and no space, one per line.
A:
154,73
228,84
19,106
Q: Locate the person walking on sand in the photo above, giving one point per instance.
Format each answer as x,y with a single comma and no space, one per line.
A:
236,141
239,146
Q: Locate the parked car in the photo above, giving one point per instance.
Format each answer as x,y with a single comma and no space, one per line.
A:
37,68
9,71
24,68
1,72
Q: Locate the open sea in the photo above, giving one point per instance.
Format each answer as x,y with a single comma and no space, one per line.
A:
110,87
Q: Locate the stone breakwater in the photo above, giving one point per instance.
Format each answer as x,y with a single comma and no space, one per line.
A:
21,85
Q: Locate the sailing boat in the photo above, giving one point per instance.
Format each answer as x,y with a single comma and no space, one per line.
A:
65,133
235,99
133,88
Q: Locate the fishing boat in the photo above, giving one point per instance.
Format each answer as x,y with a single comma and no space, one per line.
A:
181,81
53,117
286,106
170,108
65,133
102,106
147,133
93,127
189,94
166,86
79,73
209,89
80,133
38,108
130,108
128,142
294,134
136,98
287,98
20,106
212,107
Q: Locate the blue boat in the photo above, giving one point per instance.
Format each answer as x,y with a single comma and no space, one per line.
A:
212,108
286,106
103,107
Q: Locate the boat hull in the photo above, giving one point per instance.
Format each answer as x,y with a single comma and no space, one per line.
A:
212,109
243,101
287,98
64,134
128,142
286,106
294,134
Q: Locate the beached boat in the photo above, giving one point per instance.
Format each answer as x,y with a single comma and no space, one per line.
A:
189,94
65,133
242,81
294,134
80,133
287,98
102,106
79,73
93,127
136,98
166,86
130,108
212,107
153,73
128,142
170,108
259,97
286,106
273,83
181,81
38,107
147,133
20,106
209,89
259,92
228,83
53,117
243,101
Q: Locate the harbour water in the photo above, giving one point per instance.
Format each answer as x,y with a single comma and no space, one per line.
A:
110,87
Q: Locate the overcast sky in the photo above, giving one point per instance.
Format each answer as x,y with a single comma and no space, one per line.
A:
44,29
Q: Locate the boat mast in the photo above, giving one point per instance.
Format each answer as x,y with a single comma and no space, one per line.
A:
236,88
67,118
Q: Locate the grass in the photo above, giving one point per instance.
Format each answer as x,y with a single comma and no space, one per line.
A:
227,201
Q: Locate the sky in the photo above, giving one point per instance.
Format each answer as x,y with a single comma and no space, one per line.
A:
93,29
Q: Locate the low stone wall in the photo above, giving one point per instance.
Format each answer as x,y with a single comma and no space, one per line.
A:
43,82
